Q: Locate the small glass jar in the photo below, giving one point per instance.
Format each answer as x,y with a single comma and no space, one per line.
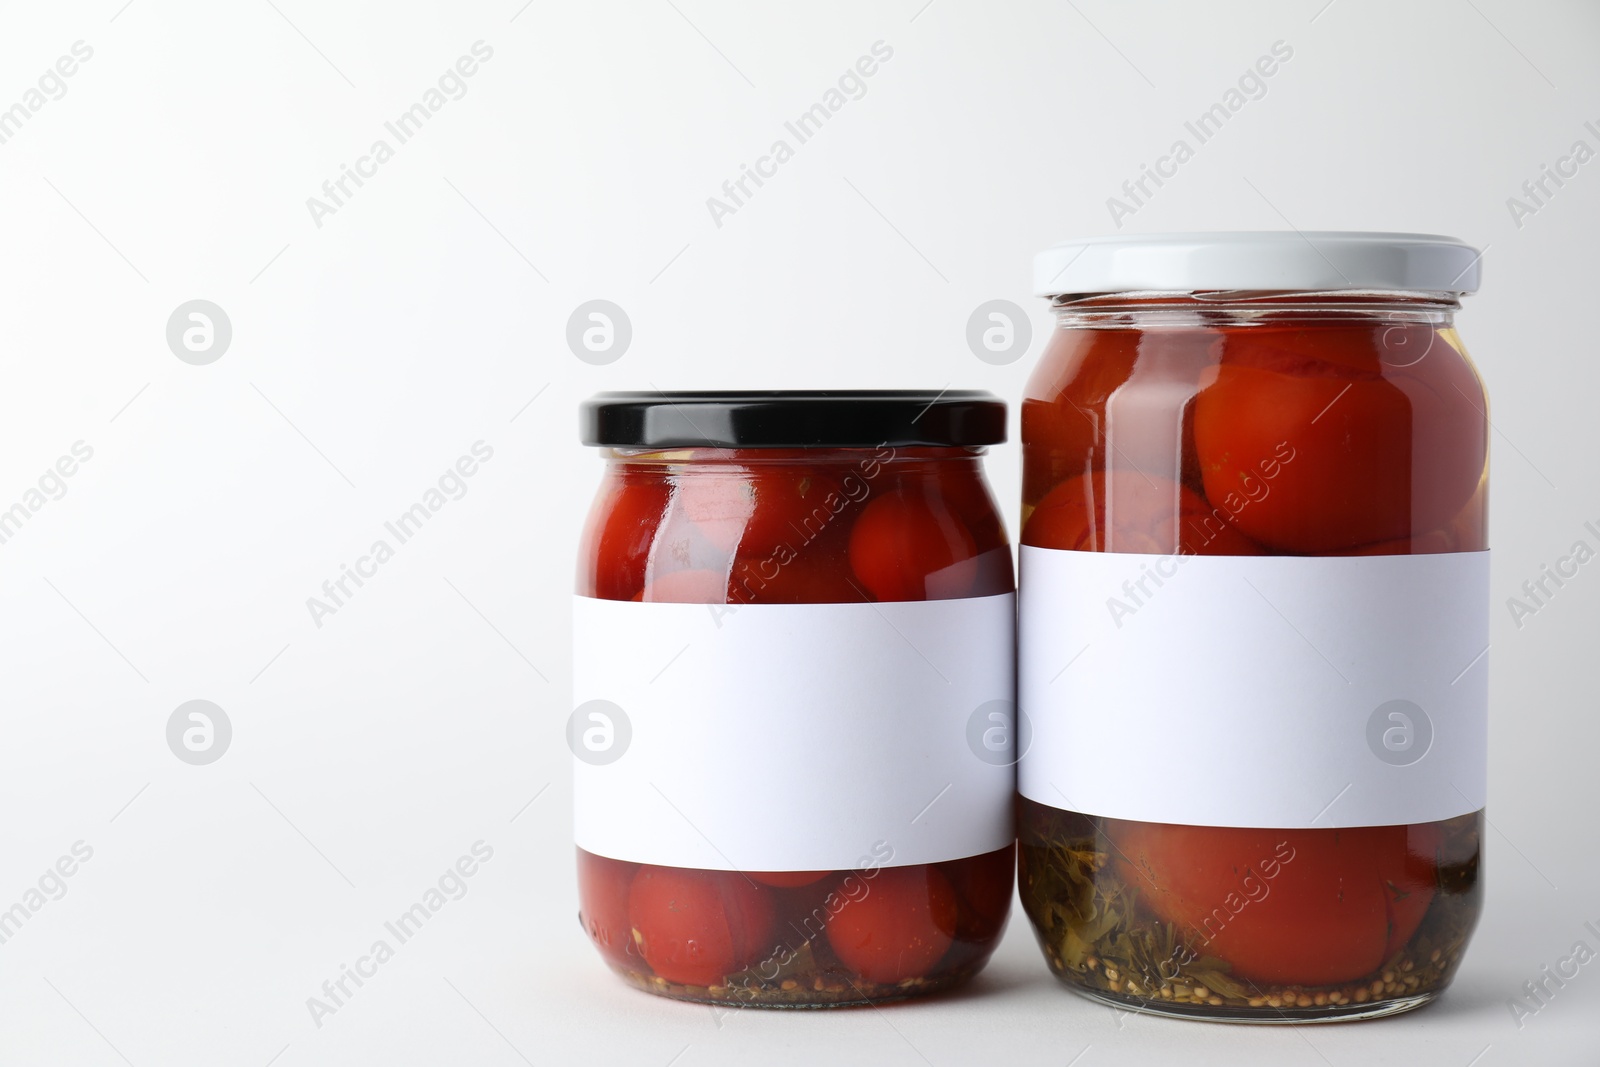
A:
794,693
1253,624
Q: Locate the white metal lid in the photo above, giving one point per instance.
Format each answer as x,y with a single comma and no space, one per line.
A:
1309,261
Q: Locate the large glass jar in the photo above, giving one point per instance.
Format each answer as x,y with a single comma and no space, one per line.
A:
1254,618
794,693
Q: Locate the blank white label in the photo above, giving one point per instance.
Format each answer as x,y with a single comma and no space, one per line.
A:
1275,691
791,737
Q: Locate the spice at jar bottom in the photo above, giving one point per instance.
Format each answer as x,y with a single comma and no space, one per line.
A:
1107,928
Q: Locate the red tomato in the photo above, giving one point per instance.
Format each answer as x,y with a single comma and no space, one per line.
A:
777,530
983,888
1146,514
1061,437
1407,898
900,929
698,927
621,529
1380,451
1065,434
796,506
1304,907
962,484
759,507
814,578
1432,541
992,571
811,568
603,886
1467,532
902,540
719,501
686,587
788,879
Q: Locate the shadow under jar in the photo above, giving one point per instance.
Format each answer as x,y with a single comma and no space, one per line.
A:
791,607
1254,590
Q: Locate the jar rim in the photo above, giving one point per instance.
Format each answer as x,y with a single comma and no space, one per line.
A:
1248,307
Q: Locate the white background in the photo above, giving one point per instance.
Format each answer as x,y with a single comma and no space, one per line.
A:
429,313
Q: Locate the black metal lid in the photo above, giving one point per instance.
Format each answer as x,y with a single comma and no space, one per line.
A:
840,418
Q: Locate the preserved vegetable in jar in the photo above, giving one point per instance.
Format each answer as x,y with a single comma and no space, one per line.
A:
1253,624
794,695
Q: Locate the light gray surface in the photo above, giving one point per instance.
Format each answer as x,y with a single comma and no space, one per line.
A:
431,311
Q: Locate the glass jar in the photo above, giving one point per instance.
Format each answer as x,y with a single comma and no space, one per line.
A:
1253,624
794,691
